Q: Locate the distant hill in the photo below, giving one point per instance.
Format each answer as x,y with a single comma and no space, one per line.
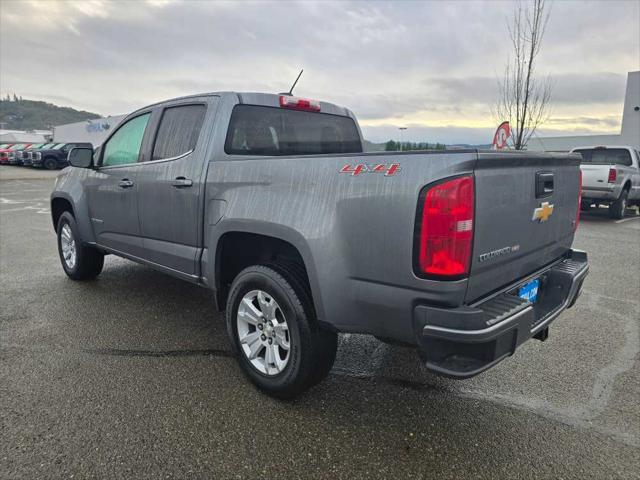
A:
18,114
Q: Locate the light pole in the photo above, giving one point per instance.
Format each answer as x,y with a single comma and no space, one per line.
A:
402,129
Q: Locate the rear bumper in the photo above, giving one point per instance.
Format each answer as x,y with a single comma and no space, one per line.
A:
465,341
601,193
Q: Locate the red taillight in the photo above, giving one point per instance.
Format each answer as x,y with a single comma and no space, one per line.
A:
613,175
299,103
446,229
575,225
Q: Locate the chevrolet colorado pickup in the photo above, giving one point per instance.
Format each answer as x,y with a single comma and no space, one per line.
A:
269,201
611,175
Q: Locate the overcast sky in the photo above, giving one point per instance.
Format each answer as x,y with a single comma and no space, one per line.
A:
430,66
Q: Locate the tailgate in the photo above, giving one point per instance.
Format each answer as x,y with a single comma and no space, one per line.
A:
594,176
526,207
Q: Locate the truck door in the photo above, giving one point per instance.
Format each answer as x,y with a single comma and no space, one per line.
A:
170,185
112,189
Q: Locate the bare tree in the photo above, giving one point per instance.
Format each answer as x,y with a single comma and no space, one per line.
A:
524,97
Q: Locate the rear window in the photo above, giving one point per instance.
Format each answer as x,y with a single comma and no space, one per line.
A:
605,156
259,130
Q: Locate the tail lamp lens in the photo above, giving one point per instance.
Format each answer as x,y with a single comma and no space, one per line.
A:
613,175
446,229
575,225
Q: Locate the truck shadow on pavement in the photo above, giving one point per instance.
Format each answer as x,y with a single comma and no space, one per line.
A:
144,313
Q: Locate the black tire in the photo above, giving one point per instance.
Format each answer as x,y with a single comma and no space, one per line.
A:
327,341
312,350
50,163
88,262
585,206
618,208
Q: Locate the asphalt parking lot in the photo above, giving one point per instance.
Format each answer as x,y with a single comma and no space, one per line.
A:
130,376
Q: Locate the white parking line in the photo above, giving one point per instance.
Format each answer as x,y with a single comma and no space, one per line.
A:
627,219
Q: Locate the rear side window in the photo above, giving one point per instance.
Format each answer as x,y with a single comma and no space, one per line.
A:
124,146
605,156
178,131
258,130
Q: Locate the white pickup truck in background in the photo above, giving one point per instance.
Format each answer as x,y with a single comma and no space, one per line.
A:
610,175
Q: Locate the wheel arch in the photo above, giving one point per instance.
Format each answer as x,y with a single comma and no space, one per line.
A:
59,205
237,249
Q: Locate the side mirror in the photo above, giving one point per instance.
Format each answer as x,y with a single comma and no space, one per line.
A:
80,157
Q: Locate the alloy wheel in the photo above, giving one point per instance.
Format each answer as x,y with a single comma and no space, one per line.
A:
263,332
68,246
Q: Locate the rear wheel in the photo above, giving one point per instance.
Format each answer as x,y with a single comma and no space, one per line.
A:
50,163
585,206
79,262
273,331
617,208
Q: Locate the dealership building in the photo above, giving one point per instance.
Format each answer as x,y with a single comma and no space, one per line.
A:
24,136
629,134
93,131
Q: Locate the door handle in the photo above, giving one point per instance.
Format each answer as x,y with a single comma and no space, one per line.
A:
181,182
125,183
544,184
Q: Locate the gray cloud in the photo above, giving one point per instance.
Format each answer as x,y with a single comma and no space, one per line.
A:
605,122
383,60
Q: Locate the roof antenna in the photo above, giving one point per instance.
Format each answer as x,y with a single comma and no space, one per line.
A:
290,92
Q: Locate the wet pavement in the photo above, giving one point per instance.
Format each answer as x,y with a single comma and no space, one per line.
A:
131,376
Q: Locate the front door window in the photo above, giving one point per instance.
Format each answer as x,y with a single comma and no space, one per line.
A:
124,146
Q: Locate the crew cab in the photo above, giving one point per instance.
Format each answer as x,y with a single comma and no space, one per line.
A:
610,176
55,156
269,202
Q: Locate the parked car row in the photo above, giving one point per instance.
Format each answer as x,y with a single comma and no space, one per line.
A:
38,155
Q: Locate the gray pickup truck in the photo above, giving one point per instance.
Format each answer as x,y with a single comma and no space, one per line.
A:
269,201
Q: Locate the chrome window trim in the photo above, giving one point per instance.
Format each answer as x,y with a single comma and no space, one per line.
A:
160,160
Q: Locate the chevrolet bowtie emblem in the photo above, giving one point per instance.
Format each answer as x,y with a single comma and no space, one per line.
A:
543,213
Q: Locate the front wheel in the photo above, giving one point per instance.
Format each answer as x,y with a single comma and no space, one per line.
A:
271,325
79,262
50,164
617,208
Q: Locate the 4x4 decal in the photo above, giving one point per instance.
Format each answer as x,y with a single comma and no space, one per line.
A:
387,169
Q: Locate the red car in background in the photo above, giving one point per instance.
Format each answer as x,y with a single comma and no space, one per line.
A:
4,150
8,155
